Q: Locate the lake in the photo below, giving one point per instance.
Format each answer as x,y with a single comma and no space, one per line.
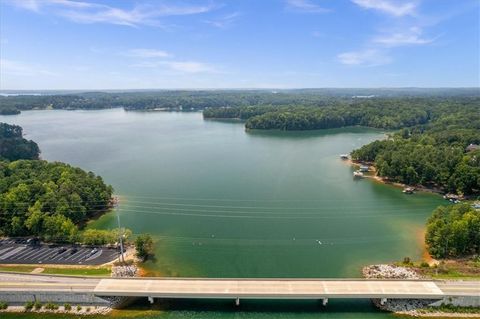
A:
223,202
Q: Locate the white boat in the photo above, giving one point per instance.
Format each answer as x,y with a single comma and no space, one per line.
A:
344,157
357,174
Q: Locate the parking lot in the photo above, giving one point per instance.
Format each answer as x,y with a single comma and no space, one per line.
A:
18,251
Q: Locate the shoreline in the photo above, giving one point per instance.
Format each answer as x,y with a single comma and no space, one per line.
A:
372,174
437,314
453,307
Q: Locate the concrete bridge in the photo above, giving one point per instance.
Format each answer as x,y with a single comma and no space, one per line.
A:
236,289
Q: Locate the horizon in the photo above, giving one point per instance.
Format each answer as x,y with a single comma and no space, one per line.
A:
108,90
243,45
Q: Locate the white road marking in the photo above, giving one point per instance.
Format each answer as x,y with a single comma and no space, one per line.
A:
12,252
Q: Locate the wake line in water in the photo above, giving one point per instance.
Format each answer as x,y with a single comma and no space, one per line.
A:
263,217
316,213
257,207
266,241
126,203
246,200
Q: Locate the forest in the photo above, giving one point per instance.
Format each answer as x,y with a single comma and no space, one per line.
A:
441,153
13,146
48,200
453,231
196,100
45,199
384,113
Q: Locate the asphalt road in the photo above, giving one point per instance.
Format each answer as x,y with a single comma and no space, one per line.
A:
459,288
19,252
33,283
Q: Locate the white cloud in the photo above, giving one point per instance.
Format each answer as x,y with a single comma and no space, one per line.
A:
305,6
412,36
91,12
368,57
153,58
398,8
181,66
225,21
19,68
32,5
190,67
378,49
147,53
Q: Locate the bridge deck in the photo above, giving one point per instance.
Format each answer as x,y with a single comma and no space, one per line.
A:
291,288
239,288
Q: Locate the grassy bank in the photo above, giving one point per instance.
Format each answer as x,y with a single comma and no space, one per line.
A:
465,269
16,268
60,270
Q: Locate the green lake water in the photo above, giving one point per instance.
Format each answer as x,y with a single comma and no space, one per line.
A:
223,202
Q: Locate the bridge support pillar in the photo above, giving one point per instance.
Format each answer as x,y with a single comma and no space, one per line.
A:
150,299
324,301
383,301
237,302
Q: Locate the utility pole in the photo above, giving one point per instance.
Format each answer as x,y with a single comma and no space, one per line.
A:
446,249
120,232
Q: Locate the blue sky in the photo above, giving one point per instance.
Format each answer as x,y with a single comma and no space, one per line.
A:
70,44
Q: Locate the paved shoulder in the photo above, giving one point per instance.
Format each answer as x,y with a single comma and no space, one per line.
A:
459,287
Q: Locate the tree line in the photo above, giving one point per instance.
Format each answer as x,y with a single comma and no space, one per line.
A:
434,154
453,231
53,200
50,200
195,100
13,146
384,113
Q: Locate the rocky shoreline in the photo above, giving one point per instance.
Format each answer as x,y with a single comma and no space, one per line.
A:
125,271
384,271
410,307
81,311
122,271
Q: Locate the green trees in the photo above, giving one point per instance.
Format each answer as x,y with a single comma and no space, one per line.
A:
453,231
144,246
380,113
49,200
104,237
432,154
179,100
13,146
414,163
59,228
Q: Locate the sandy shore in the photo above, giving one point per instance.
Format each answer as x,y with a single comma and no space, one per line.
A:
438,314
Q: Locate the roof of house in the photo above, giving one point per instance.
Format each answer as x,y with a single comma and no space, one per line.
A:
473,147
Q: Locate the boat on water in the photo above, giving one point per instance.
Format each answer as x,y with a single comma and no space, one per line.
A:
357,174
344,157
408,190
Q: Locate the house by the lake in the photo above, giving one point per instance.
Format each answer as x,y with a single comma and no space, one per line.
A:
472,147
